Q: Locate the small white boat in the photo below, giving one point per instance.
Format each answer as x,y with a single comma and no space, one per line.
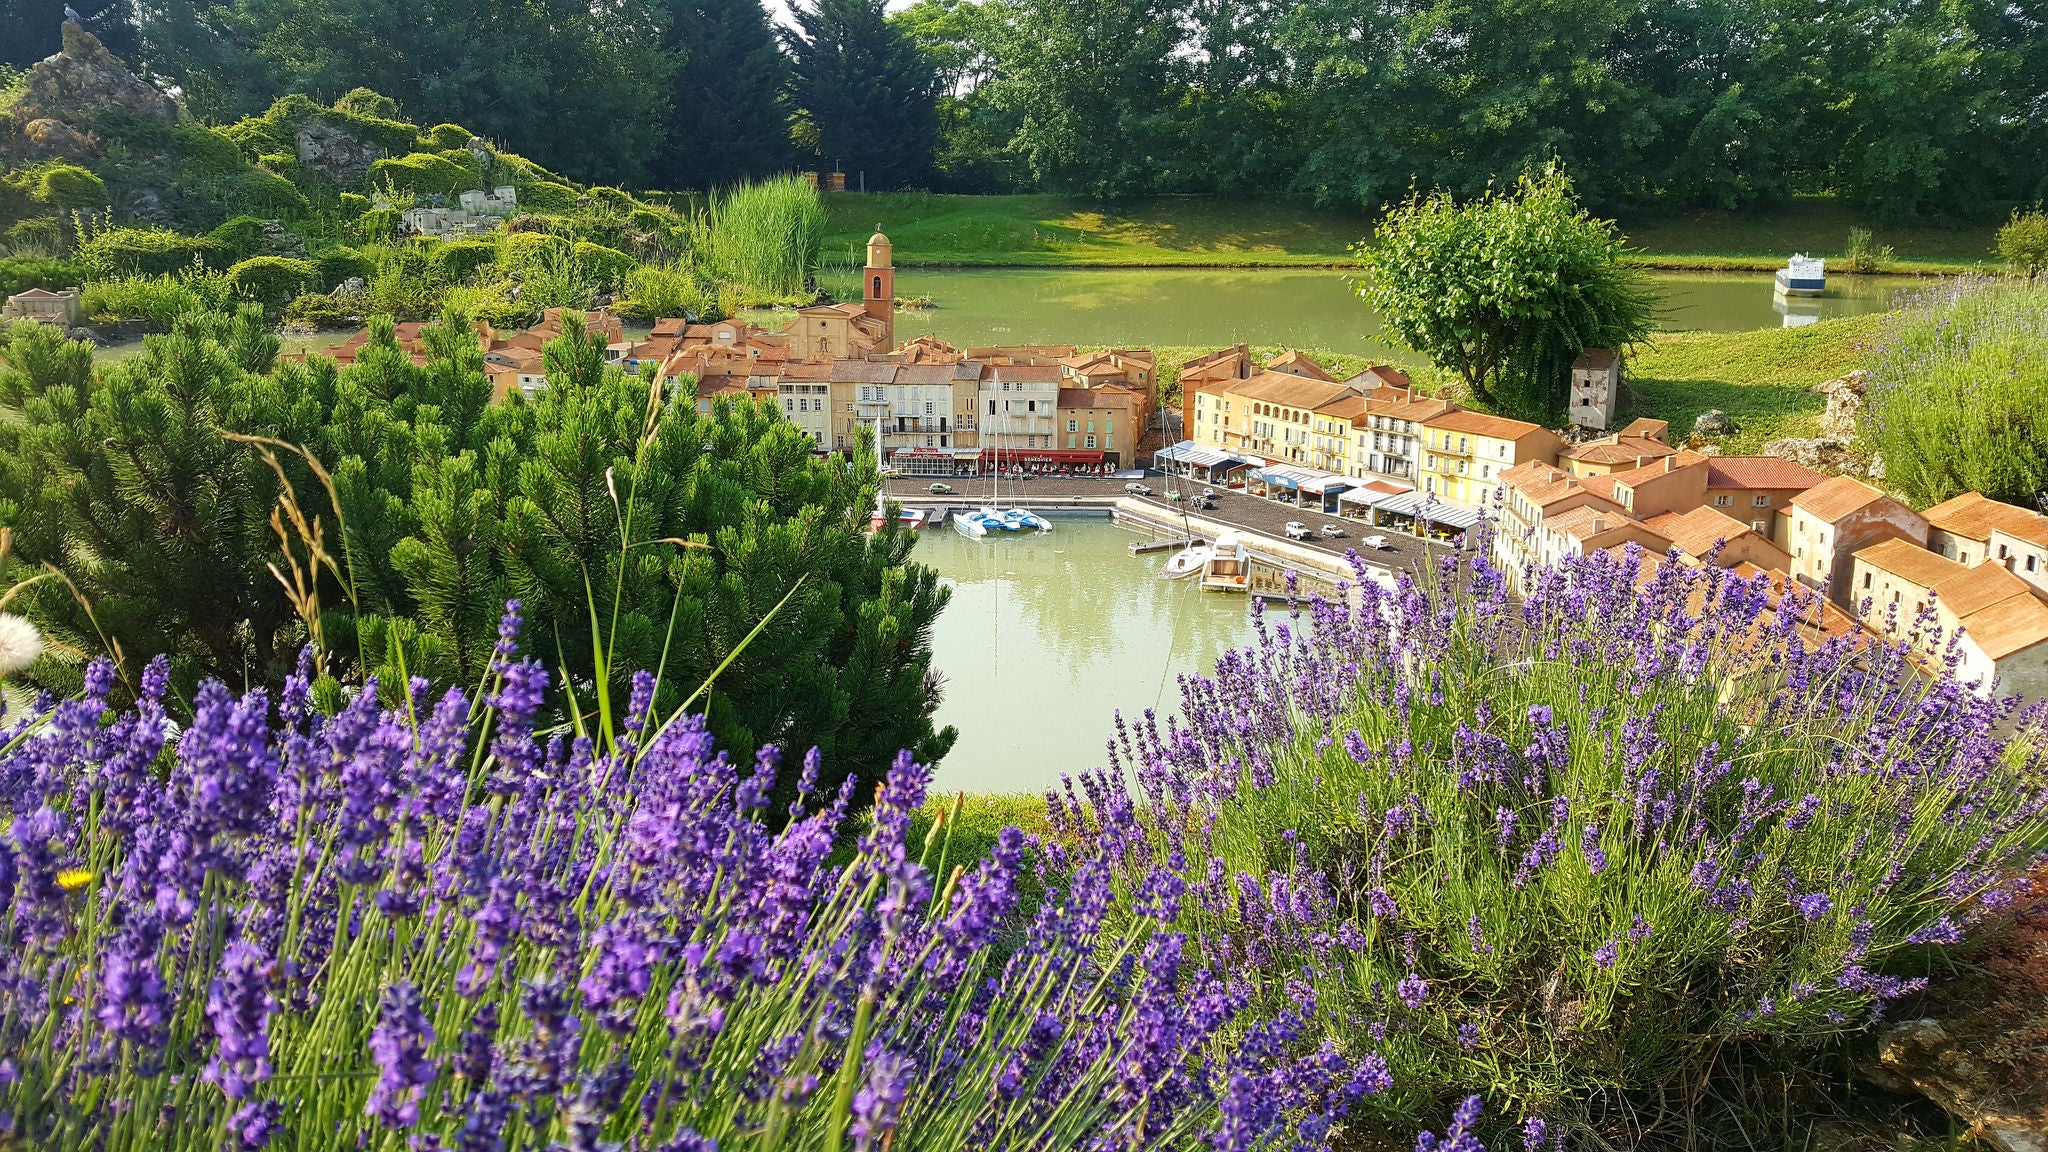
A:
1187,561
1802,275
909,518
971,524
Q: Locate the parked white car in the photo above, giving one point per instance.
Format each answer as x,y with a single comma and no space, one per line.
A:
1331,531
1137,489
1376,543
1296,530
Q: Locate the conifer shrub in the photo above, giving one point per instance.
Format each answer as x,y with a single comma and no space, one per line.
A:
338,264
238,238
20,273
2023,242
421,172
606,266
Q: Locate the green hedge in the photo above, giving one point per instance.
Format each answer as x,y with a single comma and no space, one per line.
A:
146,251
239,238
21,273
525,249
442,137
607,266
340,264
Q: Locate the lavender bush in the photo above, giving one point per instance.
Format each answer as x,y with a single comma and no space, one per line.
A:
430,927
1581,852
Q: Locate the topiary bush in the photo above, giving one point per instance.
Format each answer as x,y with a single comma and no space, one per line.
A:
271,280
267,193
36,236
155,302
442,137
145,251
315,310
422,172
338,264
455,261
67,186
527,249
547,196
368,103
607,266
378,225
354,204
239,238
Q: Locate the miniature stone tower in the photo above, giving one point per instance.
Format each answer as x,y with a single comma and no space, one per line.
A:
879,288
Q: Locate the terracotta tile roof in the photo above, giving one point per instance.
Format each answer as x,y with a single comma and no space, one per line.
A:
1481,424
1836,497
1676,462
1543,485
2033,532
1291,391
1644,426
1419,409
1759,472
1972,517
1344,408
1219,356
1698,531
1595,359
1587,522
670,326
1620,448
2008,626
1978,588
1294,361
1383,400
1910,562
1380,376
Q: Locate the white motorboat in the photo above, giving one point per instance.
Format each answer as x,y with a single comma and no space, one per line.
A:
1187,561
1229,566
1802,275
1024,518
972,524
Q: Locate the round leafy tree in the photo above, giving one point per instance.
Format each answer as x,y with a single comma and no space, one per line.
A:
1506,290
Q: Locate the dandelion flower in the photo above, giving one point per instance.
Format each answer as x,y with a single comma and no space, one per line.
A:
71,878
20,644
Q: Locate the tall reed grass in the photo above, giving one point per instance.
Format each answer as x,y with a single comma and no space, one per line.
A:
765,237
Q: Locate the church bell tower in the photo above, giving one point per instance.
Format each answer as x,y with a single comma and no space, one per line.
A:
878,286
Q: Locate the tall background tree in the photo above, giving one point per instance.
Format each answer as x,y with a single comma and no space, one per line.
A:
729,118
29,29
866,95
581,88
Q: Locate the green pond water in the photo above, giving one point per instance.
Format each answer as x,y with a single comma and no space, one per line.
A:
1317,308
1048,636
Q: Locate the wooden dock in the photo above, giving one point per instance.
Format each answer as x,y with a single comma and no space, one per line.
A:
1166,544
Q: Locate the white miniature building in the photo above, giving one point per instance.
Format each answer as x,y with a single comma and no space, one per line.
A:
44,307
1596,388
479,212
500,201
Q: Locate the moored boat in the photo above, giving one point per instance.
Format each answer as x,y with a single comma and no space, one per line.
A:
1229,566
971,524
1187,561
908,517
1802,275
1024,518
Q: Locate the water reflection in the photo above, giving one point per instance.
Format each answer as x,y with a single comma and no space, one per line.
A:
1048,636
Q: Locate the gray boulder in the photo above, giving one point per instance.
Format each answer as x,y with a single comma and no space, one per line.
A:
335,152
1712,423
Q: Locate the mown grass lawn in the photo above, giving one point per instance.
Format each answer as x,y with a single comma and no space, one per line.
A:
1165,231
1763,379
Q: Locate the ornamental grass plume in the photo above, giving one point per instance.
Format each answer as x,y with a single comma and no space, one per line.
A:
20,644
1775,831
424,925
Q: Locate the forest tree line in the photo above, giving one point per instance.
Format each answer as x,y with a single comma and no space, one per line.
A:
1900,107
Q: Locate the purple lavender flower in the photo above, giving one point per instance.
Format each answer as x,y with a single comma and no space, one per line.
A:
1533,1132
1589,847
1458,1137
239,1005
1814,905
879,1104
1605,955
1942,931
1412,990
399,1046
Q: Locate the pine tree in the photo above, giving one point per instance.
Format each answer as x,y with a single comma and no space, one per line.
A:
867,95
731,121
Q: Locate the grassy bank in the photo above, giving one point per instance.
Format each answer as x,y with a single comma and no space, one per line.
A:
1181,231
1764,379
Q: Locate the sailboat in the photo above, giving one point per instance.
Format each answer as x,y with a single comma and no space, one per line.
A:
993,517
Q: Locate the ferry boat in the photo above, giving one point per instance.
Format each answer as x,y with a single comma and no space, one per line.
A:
1802,275
1229,566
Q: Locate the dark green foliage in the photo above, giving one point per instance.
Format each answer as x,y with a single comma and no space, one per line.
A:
29,28
320,311
2023,242
1506,291
67,186
271,280
148,251
1958,398
582,88
730,120
452,505
864,92
605,265
20,273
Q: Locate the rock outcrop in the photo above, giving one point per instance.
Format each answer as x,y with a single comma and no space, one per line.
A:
335,153
281,241
1845,405
1978,1043
1820,453
65,93
1712,423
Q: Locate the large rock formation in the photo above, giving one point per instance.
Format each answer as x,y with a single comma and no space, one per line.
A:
335,153
1845,405
73,87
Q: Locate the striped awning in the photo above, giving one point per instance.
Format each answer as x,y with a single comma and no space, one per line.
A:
1324,485
1374,494
1289,476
